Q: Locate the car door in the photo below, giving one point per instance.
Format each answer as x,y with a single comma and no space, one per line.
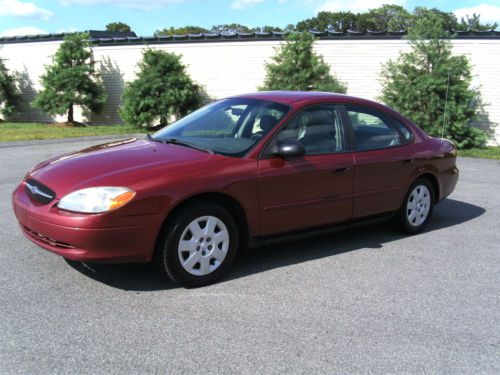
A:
314,189
382,158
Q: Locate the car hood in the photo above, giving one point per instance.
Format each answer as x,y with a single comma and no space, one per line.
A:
129,163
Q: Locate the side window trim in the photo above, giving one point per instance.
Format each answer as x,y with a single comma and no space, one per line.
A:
265,152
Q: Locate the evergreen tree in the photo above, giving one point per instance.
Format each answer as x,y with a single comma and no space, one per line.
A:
296,66
10,96
118,26
416,84
162,90
71,80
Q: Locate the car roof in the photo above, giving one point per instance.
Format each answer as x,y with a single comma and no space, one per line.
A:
291,97
311,97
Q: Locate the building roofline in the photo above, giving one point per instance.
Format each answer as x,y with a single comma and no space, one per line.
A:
114,39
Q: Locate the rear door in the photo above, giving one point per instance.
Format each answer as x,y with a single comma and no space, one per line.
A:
314,189
383,158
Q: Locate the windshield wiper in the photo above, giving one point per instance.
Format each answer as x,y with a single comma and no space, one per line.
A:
175,141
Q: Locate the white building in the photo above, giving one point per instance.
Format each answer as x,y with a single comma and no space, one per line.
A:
229,65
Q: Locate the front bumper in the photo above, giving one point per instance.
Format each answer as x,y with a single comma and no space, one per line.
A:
87,238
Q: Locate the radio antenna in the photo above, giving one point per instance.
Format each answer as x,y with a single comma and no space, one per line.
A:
445,103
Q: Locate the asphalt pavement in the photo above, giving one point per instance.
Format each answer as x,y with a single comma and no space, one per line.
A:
362,301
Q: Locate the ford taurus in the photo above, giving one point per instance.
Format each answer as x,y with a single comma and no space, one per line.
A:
240,170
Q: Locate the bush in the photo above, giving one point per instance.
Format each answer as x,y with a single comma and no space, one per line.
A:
162,90
296,66
416,84
10,96
71,80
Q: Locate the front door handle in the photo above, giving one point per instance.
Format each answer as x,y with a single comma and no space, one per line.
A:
341,169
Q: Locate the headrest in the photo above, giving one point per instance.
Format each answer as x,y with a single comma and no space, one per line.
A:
267,122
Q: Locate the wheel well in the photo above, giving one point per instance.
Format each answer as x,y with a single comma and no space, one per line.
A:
229,203
435,184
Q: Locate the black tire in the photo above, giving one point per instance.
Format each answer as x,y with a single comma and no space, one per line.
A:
167,256
402,218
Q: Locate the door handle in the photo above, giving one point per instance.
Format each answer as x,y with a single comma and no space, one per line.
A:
341,169
408,160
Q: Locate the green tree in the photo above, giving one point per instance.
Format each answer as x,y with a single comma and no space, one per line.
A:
473,23
118,26
182,30
267,29
10,97
388,18
296,66
447,20
230,28
416,84
71,80
338,21
162,90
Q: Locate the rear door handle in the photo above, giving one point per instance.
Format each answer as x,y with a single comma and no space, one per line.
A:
408,160
342,169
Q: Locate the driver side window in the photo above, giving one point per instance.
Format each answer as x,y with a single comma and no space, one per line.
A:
318,129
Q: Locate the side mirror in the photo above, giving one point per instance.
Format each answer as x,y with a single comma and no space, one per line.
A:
288,149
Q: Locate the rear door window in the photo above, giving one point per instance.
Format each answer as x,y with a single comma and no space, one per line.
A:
372,129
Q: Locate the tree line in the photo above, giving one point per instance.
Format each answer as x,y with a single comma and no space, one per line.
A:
385,18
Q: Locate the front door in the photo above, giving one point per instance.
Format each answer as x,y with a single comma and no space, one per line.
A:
314,189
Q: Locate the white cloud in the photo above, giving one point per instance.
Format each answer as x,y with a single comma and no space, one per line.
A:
15,8
244,4
131,4
21,31
488,13
356,6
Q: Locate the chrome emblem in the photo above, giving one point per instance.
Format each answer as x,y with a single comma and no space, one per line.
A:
36,191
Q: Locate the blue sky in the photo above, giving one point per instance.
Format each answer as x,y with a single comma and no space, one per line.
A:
21,17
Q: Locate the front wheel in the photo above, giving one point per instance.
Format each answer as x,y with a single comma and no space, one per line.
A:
417,206
199,246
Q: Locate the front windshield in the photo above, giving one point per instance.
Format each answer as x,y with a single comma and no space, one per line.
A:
229,127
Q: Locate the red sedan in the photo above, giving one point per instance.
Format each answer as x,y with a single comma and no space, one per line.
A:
239,170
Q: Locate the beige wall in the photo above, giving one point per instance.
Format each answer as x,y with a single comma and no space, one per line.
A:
229,68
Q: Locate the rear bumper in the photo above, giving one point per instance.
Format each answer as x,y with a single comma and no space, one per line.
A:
448,182
111,244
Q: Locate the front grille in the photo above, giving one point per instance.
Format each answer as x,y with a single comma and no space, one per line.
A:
47,240
39,192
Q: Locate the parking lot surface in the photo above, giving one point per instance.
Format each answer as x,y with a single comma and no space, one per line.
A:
367,300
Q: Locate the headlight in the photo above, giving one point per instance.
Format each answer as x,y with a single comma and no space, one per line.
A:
96,199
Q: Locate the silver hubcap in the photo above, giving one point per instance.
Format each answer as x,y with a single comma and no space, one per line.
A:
203,245
418,206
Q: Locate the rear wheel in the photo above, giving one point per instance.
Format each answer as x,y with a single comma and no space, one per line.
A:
199,246
416,210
